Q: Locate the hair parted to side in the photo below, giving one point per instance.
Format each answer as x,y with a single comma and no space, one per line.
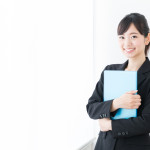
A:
139,22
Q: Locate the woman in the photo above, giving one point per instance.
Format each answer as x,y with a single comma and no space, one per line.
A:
132,133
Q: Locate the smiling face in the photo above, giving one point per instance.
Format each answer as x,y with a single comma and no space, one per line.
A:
132,43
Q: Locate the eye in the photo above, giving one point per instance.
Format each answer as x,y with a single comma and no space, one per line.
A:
121,37
134,36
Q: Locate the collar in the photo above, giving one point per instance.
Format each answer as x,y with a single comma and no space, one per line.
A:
145,67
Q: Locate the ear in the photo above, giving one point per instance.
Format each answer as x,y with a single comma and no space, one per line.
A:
147,39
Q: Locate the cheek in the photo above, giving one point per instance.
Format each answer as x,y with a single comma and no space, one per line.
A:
121,44
139,43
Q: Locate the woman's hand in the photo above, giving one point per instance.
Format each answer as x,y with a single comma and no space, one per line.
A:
129,101
105,124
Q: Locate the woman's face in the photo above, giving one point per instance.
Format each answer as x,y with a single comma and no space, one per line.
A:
132,43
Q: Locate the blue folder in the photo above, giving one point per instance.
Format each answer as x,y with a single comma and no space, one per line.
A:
116,83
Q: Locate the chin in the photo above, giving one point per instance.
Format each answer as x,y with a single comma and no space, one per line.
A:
132,55
129,56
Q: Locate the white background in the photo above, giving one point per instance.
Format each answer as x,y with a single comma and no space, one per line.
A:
51,56
46,51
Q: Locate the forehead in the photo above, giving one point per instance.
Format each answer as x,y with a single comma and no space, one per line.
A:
131,30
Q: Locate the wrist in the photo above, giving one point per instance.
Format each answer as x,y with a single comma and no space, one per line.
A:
116,103
110,125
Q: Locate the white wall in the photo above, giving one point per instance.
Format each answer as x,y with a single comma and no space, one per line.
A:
48,68
46,74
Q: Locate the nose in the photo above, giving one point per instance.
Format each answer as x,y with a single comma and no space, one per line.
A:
127,42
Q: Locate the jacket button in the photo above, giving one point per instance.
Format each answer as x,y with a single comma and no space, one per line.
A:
123,133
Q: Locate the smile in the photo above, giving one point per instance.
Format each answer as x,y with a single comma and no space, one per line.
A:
129,50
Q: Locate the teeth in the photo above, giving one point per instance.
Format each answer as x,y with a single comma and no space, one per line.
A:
129,50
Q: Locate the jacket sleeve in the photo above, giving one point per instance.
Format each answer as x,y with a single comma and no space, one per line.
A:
133,126
96,108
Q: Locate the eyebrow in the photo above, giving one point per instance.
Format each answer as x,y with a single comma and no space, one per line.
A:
133,33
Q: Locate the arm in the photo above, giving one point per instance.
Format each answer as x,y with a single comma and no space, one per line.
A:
96,108
133,126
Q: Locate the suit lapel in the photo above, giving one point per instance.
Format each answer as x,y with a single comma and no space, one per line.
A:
143,70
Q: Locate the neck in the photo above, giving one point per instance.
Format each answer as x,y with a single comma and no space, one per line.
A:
135,63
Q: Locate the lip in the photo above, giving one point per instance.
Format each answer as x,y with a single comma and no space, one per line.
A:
129,49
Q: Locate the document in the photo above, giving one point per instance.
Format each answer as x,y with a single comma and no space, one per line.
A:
116,83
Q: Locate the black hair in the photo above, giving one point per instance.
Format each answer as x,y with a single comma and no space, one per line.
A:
139,22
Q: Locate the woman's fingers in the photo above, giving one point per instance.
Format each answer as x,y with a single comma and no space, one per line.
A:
132,92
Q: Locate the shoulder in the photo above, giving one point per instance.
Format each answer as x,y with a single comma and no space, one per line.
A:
113,67
110,67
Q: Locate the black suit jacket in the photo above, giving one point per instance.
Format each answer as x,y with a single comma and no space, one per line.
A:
132,133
